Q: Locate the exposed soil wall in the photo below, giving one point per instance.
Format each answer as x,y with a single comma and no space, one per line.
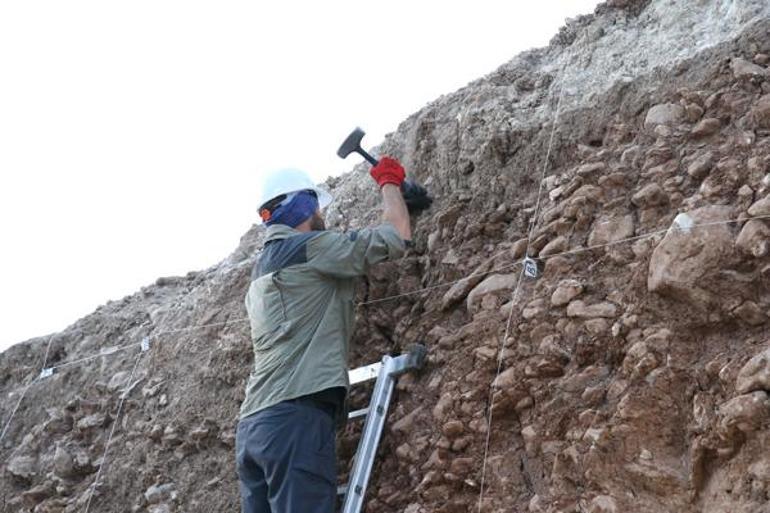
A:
636,370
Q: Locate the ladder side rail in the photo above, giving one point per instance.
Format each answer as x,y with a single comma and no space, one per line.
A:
370,438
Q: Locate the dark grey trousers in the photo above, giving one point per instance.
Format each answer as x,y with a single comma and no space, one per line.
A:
286,459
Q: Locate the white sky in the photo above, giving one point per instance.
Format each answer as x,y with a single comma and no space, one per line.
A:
132,133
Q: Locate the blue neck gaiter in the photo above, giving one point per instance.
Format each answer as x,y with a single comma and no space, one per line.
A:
295,210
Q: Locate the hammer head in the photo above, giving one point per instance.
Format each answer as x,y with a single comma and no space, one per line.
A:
352,143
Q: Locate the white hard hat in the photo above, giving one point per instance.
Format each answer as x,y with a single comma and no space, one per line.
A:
286,181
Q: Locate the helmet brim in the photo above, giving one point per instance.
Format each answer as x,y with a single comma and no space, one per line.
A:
324,197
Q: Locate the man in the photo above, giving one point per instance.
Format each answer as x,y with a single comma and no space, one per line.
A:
300,304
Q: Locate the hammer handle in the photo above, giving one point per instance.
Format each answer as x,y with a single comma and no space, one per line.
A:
373,161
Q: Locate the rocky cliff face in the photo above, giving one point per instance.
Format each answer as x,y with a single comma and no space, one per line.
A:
636,369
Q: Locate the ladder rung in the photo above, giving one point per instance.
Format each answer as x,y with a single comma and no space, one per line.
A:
365,373
342,489
358,413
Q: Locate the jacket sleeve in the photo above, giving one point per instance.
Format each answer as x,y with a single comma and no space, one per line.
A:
347,255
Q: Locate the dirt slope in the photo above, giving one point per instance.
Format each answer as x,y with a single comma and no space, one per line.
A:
636,370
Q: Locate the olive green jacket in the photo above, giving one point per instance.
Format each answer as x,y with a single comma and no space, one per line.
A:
300,304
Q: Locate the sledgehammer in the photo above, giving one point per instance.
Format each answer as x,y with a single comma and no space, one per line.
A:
415,195
353,144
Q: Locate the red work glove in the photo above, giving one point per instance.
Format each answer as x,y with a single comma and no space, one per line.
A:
388,170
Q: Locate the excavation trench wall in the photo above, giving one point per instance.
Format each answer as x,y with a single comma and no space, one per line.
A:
636,369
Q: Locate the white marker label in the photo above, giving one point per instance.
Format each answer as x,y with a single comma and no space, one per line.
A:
530,268
46,373
145,344
684,223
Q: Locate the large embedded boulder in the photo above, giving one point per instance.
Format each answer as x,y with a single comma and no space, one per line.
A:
686,265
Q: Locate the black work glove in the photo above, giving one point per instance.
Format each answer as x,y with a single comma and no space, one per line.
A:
415,196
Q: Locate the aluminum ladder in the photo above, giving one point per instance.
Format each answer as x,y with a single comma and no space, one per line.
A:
385,372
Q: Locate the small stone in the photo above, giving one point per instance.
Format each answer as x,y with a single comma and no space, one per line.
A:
443,407
556,193
706,127
433,241
760,208
405,452
493,284
597,326
694,112
544,367
744,69
453,429
593,395
754,239
639,360
533,309
461,444
664,114
506,380
578,308
557,245
39,493
609,229
91,421
451,258
200,433
159,493
603,504
663,131
405,424
535,503
519,248
588,170
63,464
151,390
755,374
746,192
746,413
531,439
22,467
462,466
760,113
700,167
156,433
566,291
651,195
631,156
171,436
118,381
524,404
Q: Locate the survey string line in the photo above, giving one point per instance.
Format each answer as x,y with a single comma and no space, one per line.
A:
123,397
492,389
24,391
15,408
515,296
533,223
428,288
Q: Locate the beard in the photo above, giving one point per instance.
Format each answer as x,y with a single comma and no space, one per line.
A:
317,223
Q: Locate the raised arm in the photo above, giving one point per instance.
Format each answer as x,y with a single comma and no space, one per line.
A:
395,211
389,175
